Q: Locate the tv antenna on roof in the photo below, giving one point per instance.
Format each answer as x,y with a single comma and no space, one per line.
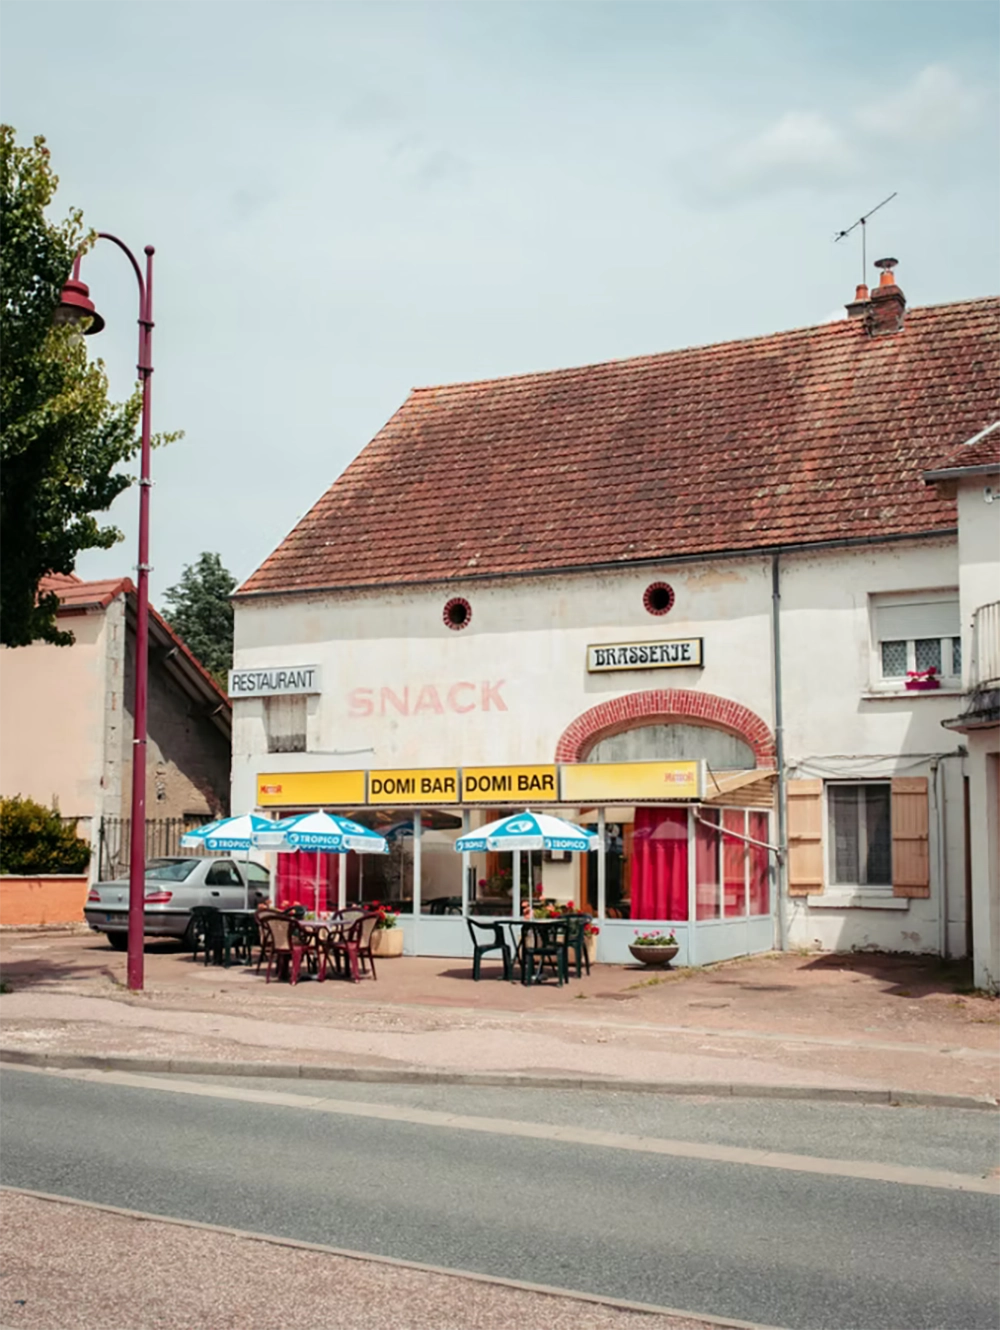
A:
861,222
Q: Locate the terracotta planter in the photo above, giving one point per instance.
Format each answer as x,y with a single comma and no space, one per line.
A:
387,942
657,956
590,947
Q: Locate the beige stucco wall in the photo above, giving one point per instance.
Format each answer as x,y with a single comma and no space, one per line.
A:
52,718
979,583
402,690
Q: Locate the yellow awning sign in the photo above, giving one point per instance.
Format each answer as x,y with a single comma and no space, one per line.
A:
438,785
631,782
487,785
311,789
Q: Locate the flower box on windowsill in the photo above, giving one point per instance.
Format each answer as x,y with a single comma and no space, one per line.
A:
922,681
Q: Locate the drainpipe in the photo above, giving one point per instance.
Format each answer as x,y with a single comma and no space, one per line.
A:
779,750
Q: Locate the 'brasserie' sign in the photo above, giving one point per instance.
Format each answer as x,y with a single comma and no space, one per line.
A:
674,654
274,681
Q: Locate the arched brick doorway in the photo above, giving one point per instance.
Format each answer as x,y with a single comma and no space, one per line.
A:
661,705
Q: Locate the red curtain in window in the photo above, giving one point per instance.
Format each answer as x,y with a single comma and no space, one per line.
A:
706,862
660,864
734,862
760,902
298,876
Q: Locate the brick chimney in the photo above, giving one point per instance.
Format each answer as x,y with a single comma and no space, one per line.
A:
888,304
859,305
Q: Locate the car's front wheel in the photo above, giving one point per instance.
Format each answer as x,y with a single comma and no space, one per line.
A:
118,940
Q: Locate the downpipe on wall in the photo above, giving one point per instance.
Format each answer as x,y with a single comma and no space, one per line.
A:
779,752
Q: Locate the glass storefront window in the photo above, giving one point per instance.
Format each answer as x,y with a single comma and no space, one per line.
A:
734,862
707,879
760,894
660,864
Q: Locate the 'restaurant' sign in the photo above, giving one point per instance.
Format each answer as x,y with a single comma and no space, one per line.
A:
674,654
274,681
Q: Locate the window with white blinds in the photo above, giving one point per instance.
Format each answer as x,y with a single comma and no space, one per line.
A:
916,633
285,722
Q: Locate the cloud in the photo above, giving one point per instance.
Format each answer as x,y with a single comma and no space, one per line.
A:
934,107
802,148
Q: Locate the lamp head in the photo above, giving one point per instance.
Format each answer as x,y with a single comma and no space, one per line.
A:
76,307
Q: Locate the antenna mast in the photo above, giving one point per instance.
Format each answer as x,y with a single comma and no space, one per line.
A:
861,222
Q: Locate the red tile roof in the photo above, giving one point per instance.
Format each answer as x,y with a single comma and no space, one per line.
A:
75,594
814,435
981,451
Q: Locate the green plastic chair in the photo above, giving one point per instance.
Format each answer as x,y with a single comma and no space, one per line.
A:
544,943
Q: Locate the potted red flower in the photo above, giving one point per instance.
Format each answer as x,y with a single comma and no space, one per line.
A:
919,681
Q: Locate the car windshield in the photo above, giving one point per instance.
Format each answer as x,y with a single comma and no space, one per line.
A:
256,872
171,870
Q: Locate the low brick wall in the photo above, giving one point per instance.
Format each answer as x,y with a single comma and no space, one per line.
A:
56,898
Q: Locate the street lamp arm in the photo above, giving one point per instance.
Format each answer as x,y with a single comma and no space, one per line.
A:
106,235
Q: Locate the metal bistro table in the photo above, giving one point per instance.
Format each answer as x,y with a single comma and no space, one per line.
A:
519,926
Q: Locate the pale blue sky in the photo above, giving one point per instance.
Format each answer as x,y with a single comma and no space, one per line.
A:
348,200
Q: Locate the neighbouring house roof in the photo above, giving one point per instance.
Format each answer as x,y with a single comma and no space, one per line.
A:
799,438
75,594
173,655
979,454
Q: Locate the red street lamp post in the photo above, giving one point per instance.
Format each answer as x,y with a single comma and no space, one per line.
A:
76,306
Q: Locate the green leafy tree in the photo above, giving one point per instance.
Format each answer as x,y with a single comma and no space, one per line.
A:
61,440
34,839
200,611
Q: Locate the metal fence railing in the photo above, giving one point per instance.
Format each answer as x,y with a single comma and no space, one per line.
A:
163,839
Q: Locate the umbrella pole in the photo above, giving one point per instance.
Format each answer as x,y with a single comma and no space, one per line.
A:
316,886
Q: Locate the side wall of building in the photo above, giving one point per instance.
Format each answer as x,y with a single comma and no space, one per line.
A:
53,708
187,758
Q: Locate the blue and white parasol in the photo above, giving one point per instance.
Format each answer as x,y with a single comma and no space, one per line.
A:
320,832
230,833
529,831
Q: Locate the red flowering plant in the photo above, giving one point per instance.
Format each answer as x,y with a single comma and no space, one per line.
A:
387,917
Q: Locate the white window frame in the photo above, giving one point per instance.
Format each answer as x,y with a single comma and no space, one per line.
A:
896,683
830,843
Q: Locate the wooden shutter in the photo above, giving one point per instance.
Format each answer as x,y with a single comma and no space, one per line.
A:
910,857
805,837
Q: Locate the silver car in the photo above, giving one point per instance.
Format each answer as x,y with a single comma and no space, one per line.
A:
173,888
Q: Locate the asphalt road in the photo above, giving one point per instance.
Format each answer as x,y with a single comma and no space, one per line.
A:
803,1250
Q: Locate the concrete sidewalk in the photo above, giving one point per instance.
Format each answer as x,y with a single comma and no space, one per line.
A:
871,1026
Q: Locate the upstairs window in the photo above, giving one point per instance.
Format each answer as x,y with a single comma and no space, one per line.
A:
914,633
285,722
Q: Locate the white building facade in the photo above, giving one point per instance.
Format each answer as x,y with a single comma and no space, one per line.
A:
753,720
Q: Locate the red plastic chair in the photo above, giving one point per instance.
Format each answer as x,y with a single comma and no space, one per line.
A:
353,946
288,945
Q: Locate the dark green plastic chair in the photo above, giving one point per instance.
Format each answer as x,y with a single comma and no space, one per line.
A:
576,945
544,943
480,949
198,929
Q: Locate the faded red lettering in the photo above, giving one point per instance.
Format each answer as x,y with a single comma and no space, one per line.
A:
429,700
491,693
359,702
453,701
389,698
